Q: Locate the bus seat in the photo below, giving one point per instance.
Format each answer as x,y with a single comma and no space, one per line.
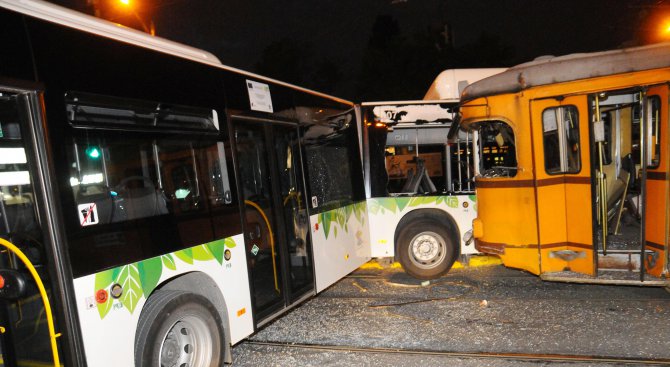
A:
628,164
408,183
616,196
626,177
416,180
427,184
143,201
617,190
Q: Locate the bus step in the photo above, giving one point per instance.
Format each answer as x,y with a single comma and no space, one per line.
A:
605,277
619,260
622,259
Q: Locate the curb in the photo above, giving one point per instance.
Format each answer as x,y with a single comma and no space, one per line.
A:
475,262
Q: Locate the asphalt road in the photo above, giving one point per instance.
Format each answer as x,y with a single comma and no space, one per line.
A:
484,316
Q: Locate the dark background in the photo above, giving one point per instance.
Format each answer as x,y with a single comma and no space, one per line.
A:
366,50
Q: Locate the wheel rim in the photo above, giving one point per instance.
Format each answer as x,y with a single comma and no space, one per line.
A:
188,343
427,250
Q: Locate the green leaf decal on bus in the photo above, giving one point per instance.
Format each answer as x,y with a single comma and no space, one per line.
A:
216,248
374,206
168,262
389,205
348,210
415,201
103,308
452,202
202,253
150,271
140,279
402,203
341,216
185,255
473,198
229,242
102,281
129,278
326,223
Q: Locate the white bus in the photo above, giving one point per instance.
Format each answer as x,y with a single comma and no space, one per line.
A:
168,204
419,178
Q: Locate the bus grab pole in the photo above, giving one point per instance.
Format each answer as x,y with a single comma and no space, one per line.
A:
601,181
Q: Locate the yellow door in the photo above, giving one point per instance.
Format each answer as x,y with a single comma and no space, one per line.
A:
562,180
657,183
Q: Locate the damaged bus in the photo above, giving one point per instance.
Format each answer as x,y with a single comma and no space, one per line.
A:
157,206
573,177
418,181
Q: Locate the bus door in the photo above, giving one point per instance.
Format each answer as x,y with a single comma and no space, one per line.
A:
657,183
563,184
24,334
276,222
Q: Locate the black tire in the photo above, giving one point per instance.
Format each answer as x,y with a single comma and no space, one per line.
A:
426,248
179,329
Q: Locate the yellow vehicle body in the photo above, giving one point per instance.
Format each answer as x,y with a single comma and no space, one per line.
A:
549,220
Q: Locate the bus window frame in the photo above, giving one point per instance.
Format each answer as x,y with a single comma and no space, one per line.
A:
509,171
563,140
653,161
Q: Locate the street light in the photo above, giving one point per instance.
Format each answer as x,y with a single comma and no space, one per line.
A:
151,29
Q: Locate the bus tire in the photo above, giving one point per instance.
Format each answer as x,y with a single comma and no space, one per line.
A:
426,248
179,328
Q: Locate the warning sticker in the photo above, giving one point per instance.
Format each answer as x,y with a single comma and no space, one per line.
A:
259,96
88,214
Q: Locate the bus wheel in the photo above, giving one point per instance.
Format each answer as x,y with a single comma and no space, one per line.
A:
426,249
179,329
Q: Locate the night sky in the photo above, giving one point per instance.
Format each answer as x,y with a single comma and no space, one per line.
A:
366,50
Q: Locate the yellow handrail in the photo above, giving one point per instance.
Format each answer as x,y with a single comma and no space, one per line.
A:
47,306
272,239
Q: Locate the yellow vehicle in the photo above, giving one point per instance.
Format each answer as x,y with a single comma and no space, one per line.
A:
573,181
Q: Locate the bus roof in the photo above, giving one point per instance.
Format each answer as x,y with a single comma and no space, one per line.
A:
449,84
87,23
558,69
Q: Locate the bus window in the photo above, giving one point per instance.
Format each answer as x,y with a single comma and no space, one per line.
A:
654,106
329,172
218,191
414,169
179,169
497,151
560,126
115,179
332,163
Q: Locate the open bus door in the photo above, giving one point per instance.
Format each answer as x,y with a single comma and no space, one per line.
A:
26,324
562,183
657,183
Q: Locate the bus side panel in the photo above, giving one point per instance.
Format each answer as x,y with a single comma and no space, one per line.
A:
110,323
386,213
551,209
515,228
341,242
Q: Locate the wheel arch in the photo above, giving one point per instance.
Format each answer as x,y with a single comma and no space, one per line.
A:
202,284
438,215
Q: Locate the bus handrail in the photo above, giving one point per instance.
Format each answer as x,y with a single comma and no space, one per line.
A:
43,293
